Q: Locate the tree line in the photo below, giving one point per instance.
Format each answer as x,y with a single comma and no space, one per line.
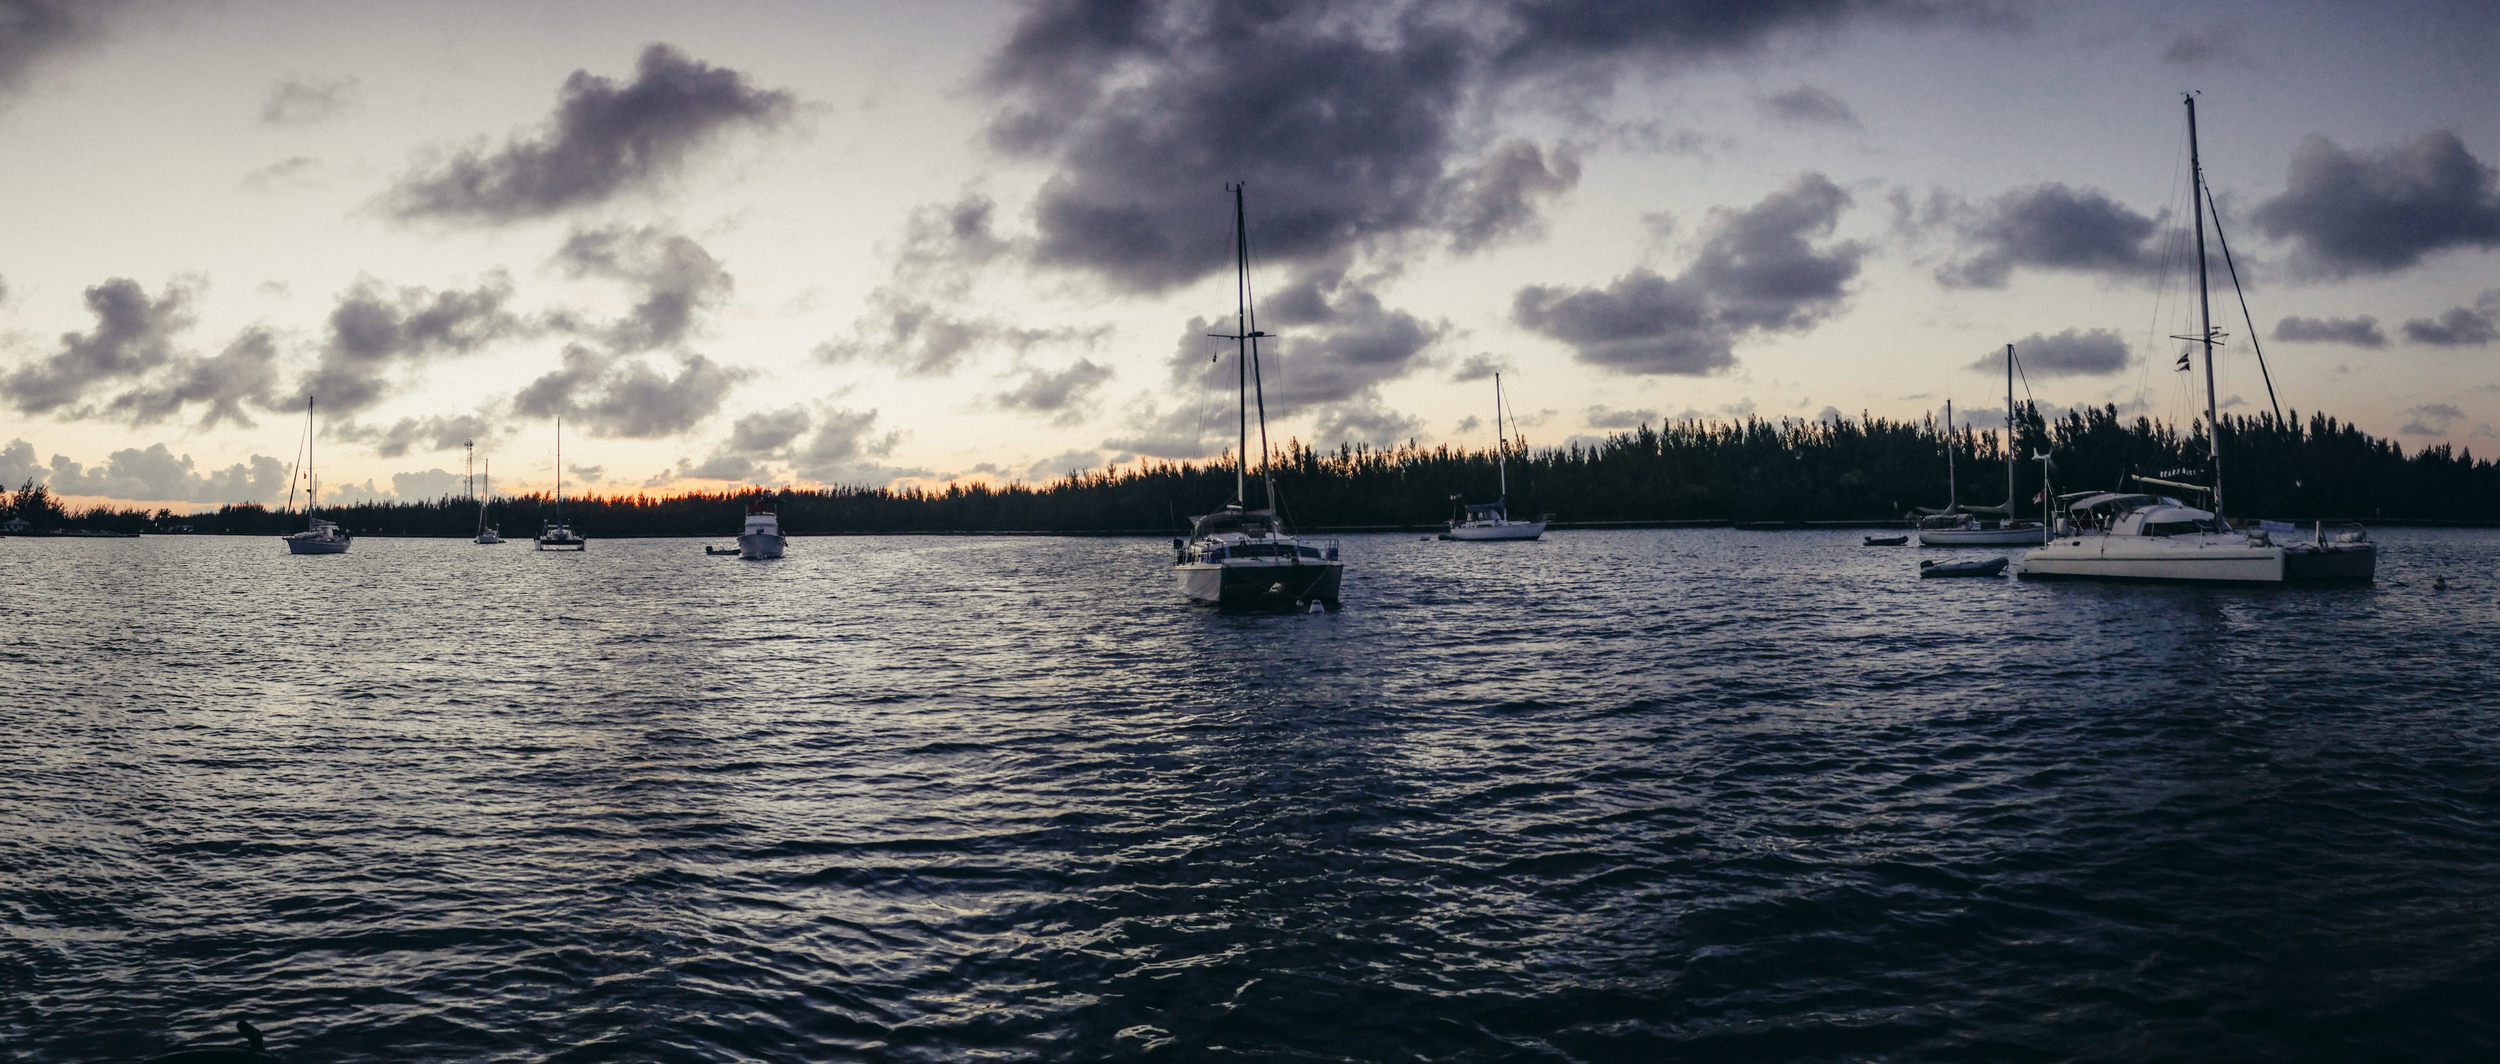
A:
1869,469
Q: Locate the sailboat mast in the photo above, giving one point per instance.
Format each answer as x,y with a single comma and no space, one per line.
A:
312,475
1501,443
2009,432
559,468
1241,348
1952,492
2204,302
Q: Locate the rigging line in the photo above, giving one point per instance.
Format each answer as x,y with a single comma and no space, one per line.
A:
292,470
2245,316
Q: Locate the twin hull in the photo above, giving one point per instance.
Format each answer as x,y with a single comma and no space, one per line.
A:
1260,581
2198,559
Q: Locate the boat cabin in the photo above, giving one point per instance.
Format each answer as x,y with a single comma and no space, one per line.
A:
1233,520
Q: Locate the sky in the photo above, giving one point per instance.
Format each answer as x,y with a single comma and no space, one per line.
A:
785,243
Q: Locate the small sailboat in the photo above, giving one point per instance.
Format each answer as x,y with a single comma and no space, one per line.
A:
486,533
1964,526
761,538
555,534
318,536
1491,521
1239,556
2161,537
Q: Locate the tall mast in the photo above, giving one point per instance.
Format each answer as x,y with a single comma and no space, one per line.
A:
1952,494
2204,303
312,476
486,489
1246,350
1501,443
2009,432
559,467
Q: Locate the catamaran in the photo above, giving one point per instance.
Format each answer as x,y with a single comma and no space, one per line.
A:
1965,526
2157,535
1243,557
555,534
1491,521
318,536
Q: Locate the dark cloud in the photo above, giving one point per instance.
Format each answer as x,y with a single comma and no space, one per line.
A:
1601,417
2350,213
846,449
1365,422
303,101
605,138
1495,200
2198,48
156,474
2459,327
1806,105
374,331
244,375
1065,395
2073,353
769,431
2051,227
1336,342
31,30
1757,271
133,336
2431,419
435,433
609,394
926,339
2357,332
1186,431
1062,464
677,278
1478,367
1558,35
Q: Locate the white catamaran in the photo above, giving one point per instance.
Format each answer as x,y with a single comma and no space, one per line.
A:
318,536
1491,521
1239,556
2129,536
1965,526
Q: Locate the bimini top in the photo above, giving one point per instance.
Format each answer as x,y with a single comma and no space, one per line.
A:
2113,501
1251,523
1487,509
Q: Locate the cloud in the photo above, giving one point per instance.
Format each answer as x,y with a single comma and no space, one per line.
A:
604,139
1495,200
156,474
244,375
768,431
2073,353
925,339
427,485
1366,422
2460,326
1065,395
2349,213
1757,271
1601,417
610,394
2431,419
2053,227
1478,367
291,172
374,331
299,101
132,336
17,465
2362,331
677,278
2209,47
844,448
1061,464
1187,431
33,30
1558,35
1335,342
435,433
1806,105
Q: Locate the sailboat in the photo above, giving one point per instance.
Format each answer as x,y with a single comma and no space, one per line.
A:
1962,526
318,536
1489,521
1239,556
2157,535
555,534
486,533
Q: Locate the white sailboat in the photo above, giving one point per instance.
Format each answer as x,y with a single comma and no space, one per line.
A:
761,537
318,536
1477,522
555,534
1243,557
486,533
2129,536
1965,526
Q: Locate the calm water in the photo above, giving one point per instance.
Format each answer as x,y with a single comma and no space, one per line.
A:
1612,796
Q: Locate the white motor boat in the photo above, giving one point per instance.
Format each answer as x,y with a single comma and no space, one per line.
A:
1239,556
318,536
1477,522
761,538
2123,536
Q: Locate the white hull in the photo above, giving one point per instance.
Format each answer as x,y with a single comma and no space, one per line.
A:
1482,531
1260,581
761,545
2196,559
1983,537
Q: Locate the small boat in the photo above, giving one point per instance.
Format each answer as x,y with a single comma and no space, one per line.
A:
1963,526
721,552
319,536
1991,567
555,534
761,538
1480,522
1887,541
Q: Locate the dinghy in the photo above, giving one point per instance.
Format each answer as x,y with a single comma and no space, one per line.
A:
1991,567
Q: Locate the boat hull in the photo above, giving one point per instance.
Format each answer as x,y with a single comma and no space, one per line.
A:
563,544
1257,583
1983,537
1507,530
2340,564
2162,559
761,545
315,546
